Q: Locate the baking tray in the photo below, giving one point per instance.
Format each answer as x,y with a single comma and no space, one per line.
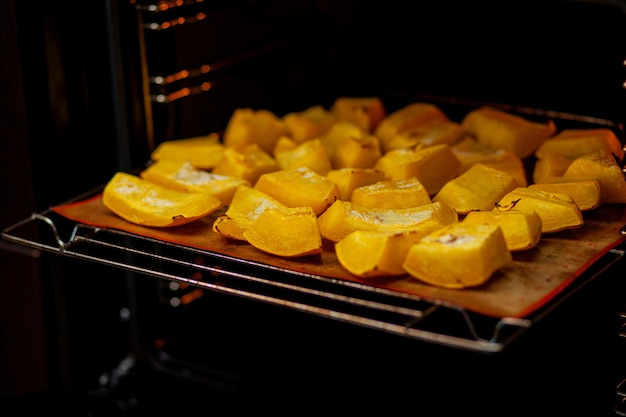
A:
486,319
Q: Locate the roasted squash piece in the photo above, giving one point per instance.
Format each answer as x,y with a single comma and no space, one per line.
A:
551,165
356,152
289,232
348,179
311,154
337,134
246,206
390,194
299,187
432,132
248,126
203,152
433,166
248,162
364,112
574,143
406,118
521,229
469,151
499,129
478,188
368,253
308,124
604,167
585,191
344,217
183,176
557,211
460,255
148,204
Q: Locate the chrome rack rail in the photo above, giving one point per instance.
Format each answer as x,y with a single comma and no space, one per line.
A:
389,311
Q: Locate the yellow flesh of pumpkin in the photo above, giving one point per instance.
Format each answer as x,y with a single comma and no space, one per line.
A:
145,203
460,255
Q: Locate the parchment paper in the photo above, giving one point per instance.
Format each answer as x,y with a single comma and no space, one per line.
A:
534,277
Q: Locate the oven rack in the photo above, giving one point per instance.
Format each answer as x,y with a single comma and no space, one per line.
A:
405,315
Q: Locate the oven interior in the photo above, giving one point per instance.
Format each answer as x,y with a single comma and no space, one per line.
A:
142,73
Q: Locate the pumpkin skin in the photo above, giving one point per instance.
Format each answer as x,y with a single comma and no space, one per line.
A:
148,204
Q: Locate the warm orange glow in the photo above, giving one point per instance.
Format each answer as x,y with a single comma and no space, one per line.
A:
205,86
178,76
201,16
191,296
179,94
159,343
205,69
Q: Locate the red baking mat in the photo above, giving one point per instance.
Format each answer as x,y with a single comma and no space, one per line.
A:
533,278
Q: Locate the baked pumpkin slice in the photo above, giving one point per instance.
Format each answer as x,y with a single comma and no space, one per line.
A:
148,204
289,232
371,253
460,255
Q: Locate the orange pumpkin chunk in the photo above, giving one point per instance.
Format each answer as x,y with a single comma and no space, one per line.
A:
585,191
406,118
308,124
311,154
299,187
458,256
364,112
432,132
470,151
203,152
356,152
499,129
574,143
148,204
550,165
557,211
247,126
368,253
604,167
344,217
433,166
183,176
246,206
348,179
521,229
248,162
390,194
478,188
289,232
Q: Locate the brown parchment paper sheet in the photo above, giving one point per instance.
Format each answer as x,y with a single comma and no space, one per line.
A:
533,278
